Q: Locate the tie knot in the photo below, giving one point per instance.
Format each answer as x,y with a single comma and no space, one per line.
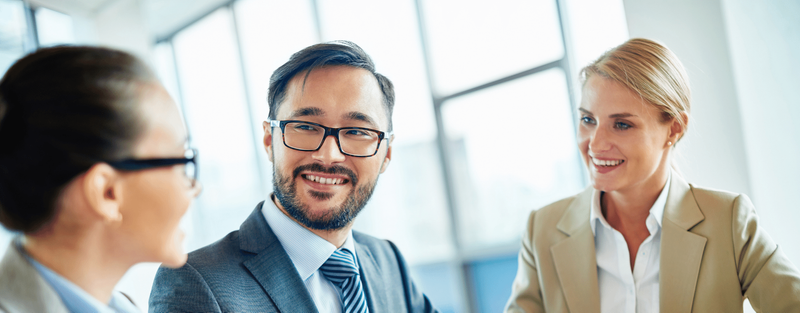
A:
339,267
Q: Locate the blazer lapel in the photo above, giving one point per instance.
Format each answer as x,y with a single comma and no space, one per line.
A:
372,280
681,250
22,289
272,267
574,257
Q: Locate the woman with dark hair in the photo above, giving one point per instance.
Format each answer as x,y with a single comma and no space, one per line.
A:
95,174
640,238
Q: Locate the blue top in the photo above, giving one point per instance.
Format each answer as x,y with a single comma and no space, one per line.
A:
75,298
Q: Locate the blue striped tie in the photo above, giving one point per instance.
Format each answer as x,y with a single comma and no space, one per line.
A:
341,270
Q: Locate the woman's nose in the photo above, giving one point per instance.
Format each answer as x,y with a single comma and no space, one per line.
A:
599,140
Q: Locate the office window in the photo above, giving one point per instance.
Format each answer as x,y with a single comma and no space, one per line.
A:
475,42
513,150
408,206
14,33
53,27
269,32
484,124
491,279
219,123
16,39
164,66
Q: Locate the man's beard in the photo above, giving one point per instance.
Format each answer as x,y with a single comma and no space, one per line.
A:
285,190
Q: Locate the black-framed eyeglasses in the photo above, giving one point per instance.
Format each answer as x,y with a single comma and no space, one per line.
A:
353,141
189,161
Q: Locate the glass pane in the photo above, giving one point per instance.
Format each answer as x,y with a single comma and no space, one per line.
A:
266,45
409,205
219,123
164,65
396,48
13,44
53,28
595,26
512,150
440,283
492,279
474,42
13,33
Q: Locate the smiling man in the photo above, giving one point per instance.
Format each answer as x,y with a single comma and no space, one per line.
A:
329,138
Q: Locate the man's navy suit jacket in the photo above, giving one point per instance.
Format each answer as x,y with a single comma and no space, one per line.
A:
249,271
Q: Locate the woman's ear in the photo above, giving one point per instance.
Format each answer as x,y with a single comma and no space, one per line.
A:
678,129
103,192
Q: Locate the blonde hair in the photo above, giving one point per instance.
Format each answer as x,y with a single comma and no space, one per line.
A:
649,69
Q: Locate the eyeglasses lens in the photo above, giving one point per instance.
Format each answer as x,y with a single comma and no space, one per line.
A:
353,141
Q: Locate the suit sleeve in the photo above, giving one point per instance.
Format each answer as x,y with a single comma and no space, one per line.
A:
526,295
181,290
767,277
415,299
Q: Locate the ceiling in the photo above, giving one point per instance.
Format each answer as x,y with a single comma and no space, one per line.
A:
161,17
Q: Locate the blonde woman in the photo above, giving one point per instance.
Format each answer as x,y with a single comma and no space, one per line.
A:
640,238
94,173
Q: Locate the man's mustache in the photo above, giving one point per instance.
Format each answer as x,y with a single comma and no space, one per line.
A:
335,170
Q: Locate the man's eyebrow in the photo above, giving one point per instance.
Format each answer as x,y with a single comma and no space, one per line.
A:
312,111
358,116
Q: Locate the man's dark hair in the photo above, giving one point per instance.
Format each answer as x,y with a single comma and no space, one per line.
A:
321,55
62,110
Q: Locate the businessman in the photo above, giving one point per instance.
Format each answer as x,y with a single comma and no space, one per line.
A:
329,138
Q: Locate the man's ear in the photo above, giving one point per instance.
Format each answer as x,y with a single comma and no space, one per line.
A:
388,156
103,192
267,139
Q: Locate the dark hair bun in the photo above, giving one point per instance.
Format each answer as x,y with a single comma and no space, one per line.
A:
62,110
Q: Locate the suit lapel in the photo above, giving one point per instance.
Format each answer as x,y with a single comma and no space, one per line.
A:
272,267
681,250
574,257
372,279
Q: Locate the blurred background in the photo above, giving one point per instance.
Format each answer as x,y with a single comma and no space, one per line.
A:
485,115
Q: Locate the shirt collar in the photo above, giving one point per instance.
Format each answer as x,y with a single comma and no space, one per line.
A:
75,298
653,220
306,250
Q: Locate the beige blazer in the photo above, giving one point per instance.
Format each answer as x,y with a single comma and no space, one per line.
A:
22,289
713,255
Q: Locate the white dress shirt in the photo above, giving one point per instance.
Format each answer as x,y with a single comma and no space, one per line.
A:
623,290
308,252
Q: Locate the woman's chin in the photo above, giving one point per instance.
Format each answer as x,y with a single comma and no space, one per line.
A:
175,256
175,261
604,185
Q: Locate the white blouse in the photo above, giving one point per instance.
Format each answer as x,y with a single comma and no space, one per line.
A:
623,290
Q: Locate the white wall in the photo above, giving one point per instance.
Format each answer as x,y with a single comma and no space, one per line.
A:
764,40
741,59
712,154
741,56
121,25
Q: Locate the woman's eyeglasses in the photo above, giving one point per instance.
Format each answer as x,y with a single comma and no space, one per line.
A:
189,160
